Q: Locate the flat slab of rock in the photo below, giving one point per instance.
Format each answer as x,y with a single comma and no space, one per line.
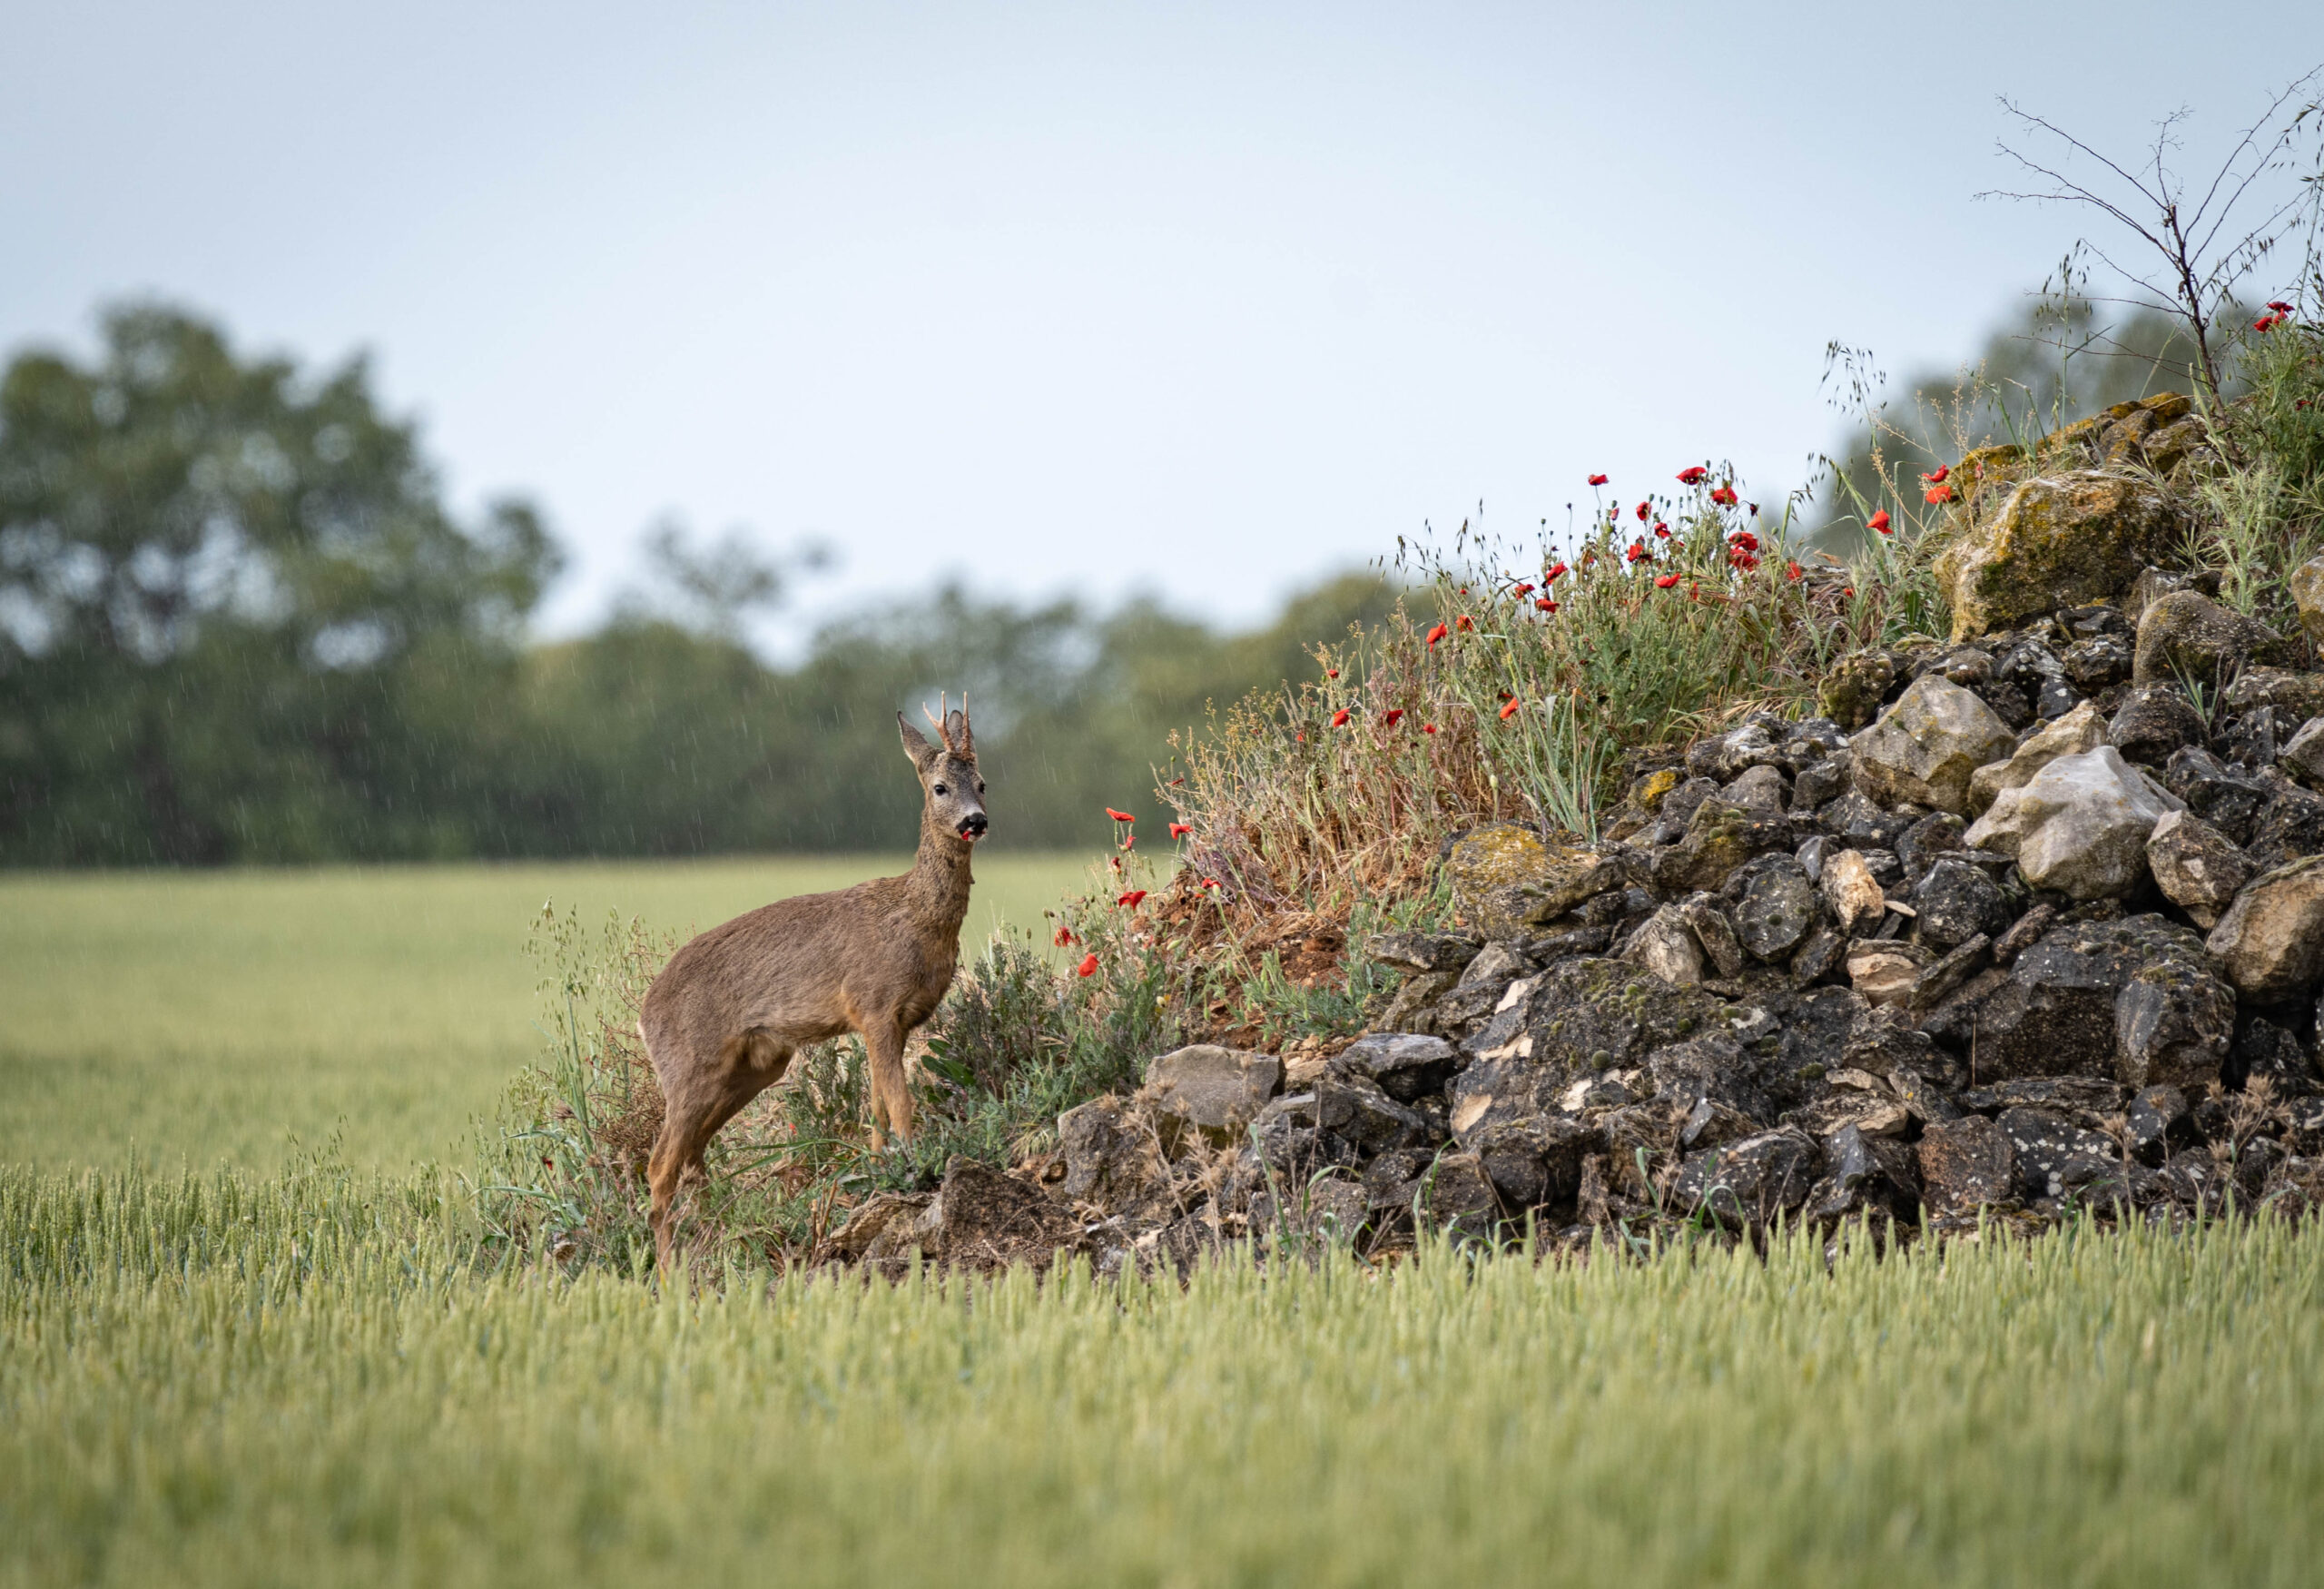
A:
1926,747
2080,827
1215,1091
1406,1066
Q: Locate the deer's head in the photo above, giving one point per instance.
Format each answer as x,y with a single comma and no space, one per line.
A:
953,792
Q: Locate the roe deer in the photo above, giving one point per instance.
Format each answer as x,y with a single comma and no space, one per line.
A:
723,1020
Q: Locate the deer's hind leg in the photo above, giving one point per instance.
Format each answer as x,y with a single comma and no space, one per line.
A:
694,1113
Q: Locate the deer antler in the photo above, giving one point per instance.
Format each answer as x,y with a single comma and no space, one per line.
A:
968,734
936,720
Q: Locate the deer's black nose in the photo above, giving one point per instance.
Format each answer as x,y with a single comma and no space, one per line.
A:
975,825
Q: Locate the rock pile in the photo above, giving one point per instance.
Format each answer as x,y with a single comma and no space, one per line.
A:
2028,922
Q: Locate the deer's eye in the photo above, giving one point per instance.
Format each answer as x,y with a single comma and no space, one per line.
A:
979,785
942,790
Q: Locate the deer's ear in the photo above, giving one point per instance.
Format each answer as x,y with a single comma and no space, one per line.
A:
916,744
956,730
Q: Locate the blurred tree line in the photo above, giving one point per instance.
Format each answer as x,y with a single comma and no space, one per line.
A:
238,624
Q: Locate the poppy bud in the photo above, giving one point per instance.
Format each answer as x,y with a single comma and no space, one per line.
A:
1088,968
1643,510
1523,588
1179,829
1119,815
1339,718
1331,673
1510,710
1597,479
1131,898
1666,581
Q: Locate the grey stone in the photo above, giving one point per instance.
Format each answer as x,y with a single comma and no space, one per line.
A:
2303,756
2296,695
1106,1156
1456,1197
2093,665
2198,868
1937,982
2185,634
1925,840
2079,827
2056,1158
2082,729
1967,1164
1714,933
1885,972
2230,798
1406,1066
1759,789
1925,746
1666,945
1820,957
1955,902
2290,826
2271,942
984,1217
1748,1185
2054,1013
2087,1100
1423,952
1720,838
1819,782
1816,1032
1497,965
1537,1163
2174,1021
2157,1120
1714,1067
2153,723
1210,1089
1857,822
1776,908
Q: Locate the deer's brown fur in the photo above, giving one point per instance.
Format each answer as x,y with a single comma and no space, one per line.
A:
724,1019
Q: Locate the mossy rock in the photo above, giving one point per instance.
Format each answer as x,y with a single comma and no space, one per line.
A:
1851,694
1500,873
2057,541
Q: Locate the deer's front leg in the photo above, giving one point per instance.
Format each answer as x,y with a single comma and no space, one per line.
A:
891,1097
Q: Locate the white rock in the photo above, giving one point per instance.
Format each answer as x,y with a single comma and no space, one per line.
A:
1665,945
1853,893
2082,729
1925,746
2080,825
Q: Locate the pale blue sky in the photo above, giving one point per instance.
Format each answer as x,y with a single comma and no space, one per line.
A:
1203,300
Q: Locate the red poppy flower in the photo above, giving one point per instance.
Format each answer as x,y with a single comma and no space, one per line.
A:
1643,510
1935,477
1661,530
2278,304
1523,588
1554,575
1666,581
1597,479
1129,841
1088,968
1638,552
1879,521
1937,495
1725,496
1693,476
1437,633
1210,882
1331,673
1392,716
1428,729
1544,603
1743,539
2266,322
1064,937
1131,898
1339,718
1510,710
1793,570
1179,829
1465,622
1742,559
1119,815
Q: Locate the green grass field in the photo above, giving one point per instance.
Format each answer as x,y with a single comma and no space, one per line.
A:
201,1016
301,1382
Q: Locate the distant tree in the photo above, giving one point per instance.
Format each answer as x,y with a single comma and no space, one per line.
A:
214,575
